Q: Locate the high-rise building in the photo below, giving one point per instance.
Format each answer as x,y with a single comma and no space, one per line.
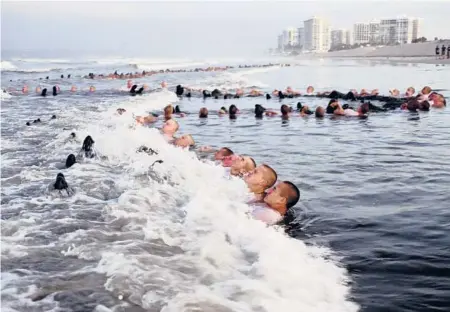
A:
361,33
416,28
340,37
290,37
301,36
374,32
348,37
280,43
317,35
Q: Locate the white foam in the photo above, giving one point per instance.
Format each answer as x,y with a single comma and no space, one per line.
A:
7,66
207,251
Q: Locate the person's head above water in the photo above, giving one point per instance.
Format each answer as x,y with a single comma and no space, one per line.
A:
241,165
320,112
170,127
310,90
233,110
332,105
260,179
184,141
425,90
168,110
223,152
259,110
285,110
203,113
282,197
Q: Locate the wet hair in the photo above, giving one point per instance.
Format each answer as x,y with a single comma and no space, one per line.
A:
133,89
141,89
259,110
206,93
225,151
365,108
203,112
281,95
70,161
274,176
224,109
53,117
268,97
168,110
284,109
55,90
413,105
299,106
87,147
233,109
424,106
179,90
177,109
73,134
320,112
60,183
254,162
28,123
62,76
44,92
330,109
292,200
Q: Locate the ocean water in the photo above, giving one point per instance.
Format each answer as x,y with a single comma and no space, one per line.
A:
370,233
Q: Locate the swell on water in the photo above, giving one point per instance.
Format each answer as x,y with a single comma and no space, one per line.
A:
177,235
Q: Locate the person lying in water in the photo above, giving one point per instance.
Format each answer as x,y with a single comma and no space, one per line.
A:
260,179
277,201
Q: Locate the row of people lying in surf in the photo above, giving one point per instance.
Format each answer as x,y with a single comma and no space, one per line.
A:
334,107
272,200
352,95
144,73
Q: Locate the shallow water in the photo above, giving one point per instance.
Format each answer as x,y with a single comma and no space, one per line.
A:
370,232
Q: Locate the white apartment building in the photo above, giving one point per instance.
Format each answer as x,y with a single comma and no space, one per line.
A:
340,37
317,35
348,37
290,36
361,33
387,31
301,36
280,43
416,28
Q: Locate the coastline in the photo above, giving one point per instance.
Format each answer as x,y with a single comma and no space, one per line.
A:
413,53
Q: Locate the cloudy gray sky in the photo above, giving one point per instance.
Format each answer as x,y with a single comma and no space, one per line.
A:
203,28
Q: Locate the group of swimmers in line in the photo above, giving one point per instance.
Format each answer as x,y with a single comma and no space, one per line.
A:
271,200
425,98
144,73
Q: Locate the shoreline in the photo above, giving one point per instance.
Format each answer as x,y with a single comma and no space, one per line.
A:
395,59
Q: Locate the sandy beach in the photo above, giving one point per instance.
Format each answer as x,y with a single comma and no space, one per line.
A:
419,53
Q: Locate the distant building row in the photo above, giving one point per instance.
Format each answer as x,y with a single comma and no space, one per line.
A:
317,36
387,31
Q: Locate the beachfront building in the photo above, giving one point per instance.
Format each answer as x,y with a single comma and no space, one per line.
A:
364,33
416,23
317,35
301,37
280,43
361,33
348,37
290,36
387,31
340,37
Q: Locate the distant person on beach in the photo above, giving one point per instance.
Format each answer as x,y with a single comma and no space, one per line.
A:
448,51
437,51
443,51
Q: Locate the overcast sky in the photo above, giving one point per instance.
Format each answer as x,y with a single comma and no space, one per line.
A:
208,28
